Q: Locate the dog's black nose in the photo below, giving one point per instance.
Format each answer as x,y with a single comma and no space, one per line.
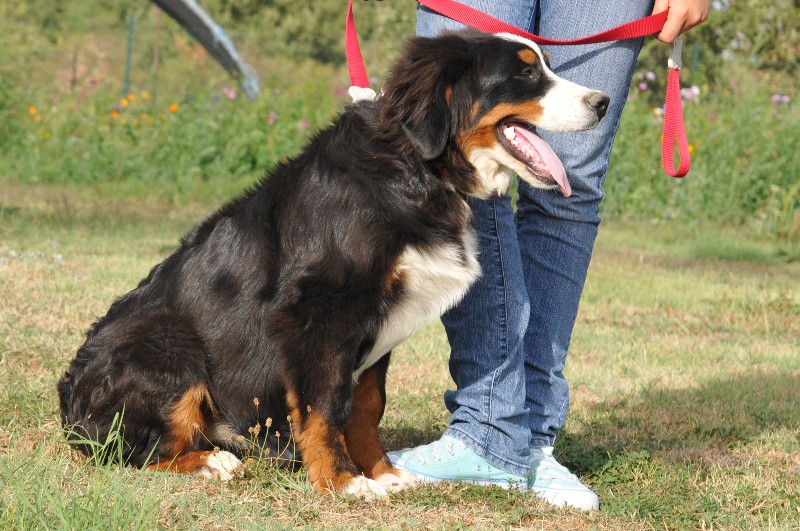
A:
599,102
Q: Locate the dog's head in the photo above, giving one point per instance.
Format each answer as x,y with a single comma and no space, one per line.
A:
469,101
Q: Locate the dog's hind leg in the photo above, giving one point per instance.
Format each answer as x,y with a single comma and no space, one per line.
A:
185,424
148,374
361,430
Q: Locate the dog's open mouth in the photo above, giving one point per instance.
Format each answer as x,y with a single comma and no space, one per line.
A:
537,156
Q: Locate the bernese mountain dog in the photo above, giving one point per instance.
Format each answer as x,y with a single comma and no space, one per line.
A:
275,316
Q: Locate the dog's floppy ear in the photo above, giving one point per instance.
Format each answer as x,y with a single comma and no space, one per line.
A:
420,91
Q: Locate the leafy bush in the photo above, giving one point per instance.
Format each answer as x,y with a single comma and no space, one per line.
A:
315,30
761,34
66,121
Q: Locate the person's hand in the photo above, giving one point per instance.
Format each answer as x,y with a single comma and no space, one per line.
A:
683,16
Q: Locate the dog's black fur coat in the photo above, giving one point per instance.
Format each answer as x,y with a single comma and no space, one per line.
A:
285,288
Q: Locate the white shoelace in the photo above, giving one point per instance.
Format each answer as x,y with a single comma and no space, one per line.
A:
549,468
434,449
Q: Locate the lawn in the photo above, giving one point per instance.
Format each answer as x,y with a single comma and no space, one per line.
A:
684,370
685,361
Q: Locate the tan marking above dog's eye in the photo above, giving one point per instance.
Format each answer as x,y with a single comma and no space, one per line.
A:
528,56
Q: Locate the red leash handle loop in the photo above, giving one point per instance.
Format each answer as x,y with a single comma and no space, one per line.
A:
673,118
674,129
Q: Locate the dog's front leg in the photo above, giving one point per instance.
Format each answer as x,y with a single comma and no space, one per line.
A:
318,430
361,430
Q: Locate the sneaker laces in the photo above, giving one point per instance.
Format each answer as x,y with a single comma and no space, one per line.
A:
547,468
434,449
551,469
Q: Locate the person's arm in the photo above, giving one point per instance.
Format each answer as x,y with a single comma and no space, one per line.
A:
683,16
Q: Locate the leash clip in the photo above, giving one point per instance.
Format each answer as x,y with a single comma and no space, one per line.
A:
361,93
675,53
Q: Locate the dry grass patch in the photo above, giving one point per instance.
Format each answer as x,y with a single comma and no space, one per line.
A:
683,369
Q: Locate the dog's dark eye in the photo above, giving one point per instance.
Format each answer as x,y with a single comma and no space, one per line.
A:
527,72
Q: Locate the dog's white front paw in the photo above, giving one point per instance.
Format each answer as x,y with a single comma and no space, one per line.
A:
396,481
364,487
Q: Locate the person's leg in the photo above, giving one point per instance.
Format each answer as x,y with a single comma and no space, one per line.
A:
519,13
486,328
556,234
485,332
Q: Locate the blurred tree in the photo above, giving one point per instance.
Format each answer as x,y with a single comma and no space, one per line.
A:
763,34
316,29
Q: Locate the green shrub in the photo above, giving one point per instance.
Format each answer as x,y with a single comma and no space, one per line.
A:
65,121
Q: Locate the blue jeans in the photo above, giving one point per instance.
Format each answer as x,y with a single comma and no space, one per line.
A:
509,336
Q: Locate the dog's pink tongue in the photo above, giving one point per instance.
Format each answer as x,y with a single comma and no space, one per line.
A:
551,161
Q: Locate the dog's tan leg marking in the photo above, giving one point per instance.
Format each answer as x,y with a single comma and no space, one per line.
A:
186,420
361,435
325,453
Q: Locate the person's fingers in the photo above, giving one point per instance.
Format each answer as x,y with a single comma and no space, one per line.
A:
675,20
683,15
660,5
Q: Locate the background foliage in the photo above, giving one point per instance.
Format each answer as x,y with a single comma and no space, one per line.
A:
63,117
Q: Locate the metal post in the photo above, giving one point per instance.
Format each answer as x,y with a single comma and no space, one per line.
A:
128,54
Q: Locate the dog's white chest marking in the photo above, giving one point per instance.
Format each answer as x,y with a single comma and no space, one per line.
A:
493,165
433,281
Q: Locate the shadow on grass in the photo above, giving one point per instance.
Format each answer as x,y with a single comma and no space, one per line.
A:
684,425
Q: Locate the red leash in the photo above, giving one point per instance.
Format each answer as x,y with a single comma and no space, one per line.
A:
673,113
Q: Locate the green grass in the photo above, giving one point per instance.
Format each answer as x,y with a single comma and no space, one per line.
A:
684,373
684,362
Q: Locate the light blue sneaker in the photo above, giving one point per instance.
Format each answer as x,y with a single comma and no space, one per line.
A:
449,459
552,482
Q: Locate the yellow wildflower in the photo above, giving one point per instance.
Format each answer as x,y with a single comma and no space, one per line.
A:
32,110
173,108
